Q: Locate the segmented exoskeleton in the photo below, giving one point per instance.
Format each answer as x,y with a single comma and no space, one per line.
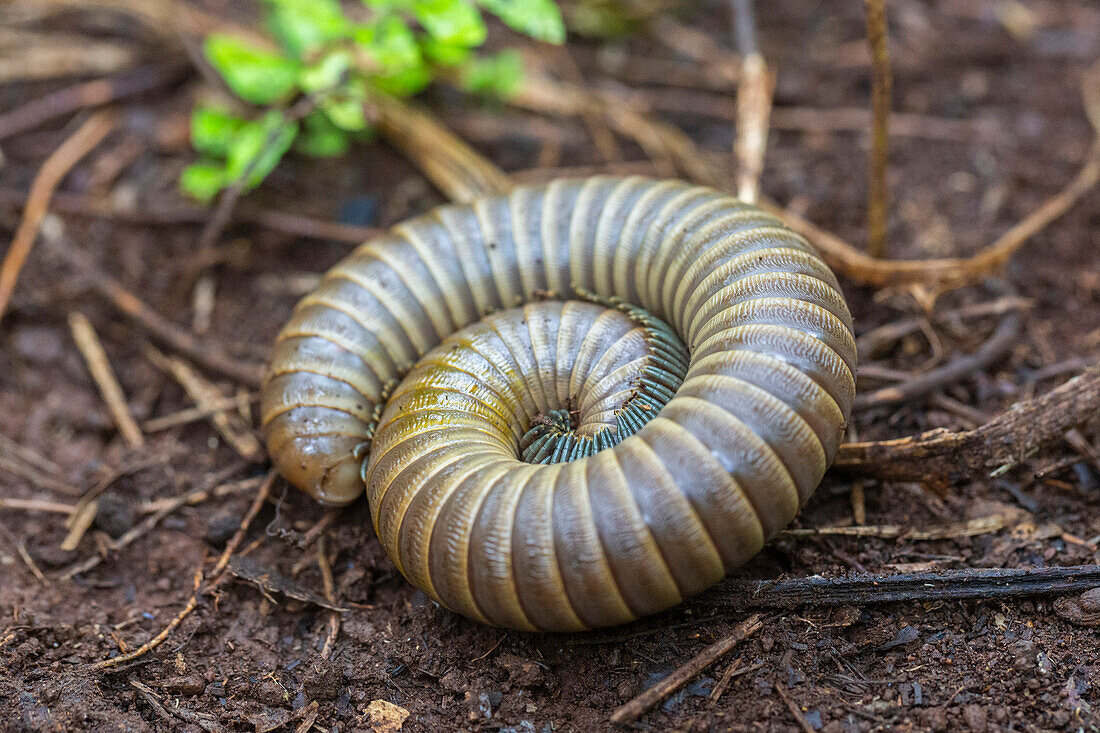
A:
669,394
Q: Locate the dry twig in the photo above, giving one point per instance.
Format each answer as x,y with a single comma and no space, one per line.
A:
754,102
878,196
56,167
100,367
634,709
939,457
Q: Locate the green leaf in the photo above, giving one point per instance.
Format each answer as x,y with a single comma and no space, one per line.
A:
213,130
328,73
346,112
259,147
254,74
203,180
539,19
404,83
500,75
451,21
446,54
320,138
304,26
389,43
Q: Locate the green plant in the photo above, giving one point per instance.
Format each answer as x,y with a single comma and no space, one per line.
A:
326,62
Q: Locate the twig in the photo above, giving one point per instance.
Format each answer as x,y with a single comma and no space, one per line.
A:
754,101
235,432
876,340
21,548
79,522
197,496
798,716
190,414
177,214
945,273
29,456
330,595
160,510
216,576
100,367
452,165
34,475
970,583
942,457
56,167
172,336
87,94
878,195
36,505
970,528
202,720
631,711
999,344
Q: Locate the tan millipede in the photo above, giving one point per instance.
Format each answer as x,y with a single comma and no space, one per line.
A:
572,405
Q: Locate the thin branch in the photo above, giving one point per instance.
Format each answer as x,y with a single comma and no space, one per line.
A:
631,711
939,457
100,367
53,171
993,349
966,584
754,102
87,94
878,196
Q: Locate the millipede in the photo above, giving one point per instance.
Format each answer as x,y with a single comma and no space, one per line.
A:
571,405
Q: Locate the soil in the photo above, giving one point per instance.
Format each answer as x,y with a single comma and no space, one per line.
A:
248,661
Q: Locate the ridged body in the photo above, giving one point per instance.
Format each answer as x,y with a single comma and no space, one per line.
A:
604,539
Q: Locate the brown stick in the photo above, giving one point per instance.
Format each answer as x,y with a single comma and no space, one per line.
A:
216,576
941,458
36,505
453,166
56,167
631,711
87,94
999,344
754,102
945,273
878,194
737,595
173,336
100,367
798,716
234,431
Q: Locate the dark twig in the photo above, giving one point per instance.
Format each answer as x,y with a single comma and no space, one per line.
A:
878,197
631,711
999,344
88,94
942,457
793,708
967,584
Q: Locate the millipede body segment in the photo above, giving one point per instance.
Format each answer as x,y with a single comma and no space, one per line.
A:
580,402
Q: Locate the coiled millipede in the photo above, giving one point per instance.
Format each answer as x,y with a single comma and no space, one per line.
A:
557,459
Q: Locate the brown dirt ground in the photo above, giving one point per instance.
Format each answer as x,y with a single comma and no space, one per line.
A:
248,662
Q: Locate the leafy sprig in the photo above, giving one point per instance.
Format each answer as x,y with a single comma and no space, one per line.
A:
339,57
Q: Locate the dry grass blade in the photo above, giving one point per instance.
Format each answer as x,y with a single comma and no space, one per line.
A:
229,424
100,367
56,167
754,102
